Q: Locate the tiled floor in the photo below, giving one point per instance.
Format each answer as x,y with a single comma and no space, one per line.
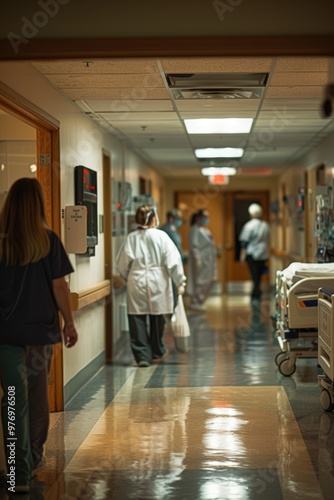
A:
220,422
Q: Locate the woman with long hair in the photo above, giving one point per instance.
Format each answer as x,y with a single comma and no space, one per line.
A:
33,264
149,261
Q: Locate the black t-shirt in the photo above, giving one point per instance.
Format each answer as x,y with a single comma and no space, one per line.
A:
34,320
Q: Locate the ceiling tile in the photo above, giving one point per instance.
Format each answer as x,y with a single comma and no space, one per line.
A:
131,98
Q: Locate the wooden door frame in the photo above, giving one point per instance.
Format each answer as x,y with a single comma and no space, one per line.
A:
48,174
230,236
171,46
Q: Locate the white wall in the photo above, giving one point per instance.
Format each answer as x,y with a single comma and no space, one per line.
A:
15,155
294,177
11,129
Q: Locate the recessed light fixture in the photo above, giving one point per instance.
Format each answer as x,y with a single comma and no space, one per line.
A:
219,125
219,153
218,171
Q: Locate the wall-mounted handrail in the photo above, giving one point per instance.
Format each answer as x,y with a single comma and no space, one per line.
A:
90,295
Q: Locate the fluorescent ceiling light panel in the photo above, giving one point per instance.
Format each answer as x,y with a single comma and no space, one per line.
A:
218,171
219,153
218,125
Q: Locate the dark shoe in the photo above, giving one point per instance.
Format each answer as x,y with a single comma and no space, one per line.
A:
197,307
143,364
162,358
19,488
38,467
22,489
3,479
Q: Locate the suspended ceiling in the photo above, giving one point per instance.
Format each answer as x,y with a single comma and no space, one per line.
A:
131,99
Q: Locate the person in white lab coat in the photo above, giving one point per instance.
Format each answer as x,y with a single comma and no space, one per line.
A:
202,265
149,261
254,242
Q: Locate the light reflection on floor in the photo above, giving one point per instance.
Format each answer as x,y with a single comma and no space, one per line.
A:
217,423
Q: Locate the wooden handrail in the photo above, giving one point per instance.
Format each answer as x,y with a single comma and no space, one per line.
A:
90,295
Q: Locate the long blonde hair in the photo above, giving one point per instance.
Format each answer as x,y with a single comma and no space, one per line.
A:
24,233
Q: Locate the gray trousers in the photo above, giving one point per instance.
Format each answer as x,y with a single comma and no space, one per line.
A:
146,345
201,293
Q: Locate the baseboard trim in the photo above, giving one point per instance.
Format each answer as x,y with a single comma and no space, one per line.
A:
79,380
121,344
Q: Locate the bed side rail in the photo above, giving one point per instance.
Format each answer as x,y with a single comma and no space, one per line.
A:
325,294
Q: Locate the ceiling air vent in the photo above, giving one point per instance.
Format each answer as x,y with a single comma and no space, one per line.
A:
217,85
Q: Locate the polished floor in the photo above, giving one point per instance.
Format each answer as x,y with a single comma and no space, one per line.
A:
218,423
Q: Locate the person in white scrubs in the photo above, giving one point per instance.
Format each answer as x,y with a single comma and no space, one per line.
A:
202,264
148,262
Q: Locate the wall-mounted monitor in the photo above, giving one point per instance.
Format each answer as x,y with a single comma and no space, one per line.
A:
86,194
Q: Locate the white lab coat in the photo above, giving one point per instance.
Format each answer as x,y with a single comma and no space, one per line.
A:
202,268
147,261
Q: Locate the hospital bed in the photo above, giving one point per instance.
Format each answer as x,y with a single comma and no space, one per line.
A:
297,311
325,348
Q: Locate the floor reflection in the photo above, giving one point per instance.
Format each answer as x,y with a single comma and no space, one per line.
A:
160,436
219,423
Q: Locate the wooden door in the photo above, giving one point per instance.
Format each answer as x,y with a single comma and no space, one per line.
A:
48,174
236,210
211,201
47,146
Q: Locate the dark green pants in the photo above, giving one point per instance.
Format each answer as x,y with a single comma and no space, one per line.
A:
24,379
38,361
147,343
15,413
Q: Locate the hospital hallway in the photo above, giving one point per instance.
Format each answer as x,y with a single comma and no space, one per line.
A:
217,423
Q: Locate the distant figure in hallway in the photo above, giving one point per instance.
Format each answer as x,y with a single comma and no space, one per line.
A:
173,222
202,266
254,241
149,261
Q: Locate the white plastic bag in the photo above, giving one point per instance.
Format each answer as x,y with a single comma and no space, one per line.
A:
180,327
